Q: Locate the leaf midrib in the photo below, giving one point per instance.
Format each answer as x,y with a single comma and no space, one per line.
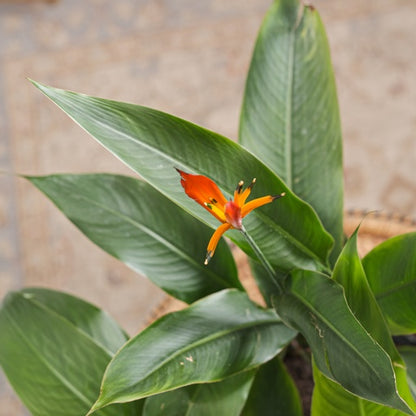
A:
290,96
202,341
289,101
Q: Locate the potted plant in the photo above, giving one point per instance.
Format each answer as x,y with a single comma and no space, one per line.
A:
222,354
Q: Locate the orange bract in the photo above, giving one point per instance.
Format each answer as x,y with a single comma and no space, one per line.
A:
231,213
204,191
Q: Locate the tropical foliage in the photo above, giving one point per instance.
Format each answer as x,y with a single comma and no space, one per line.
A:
223,353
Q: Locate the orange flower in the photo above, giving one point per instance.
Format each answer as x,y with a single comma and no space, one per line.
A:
231,213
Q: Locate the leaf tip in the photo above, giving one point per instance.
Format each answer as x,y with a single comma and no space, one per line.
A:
35,83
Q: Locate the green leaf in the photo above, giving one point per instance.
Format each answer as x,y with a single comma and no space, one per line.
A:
350,274
153,143
329,398
391,272
136,224
214,338
290,117
55,358
343,350
408,354
86,317
226,397
273,392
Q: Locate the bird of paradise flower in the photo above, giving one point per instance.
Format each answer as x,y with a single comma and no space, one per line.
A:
229,212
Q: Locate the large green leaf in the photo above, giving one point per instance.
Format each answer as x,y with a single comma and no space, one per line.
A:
214,338
86,317
132,221
350,274
226,397
152,143
273,392
290,116
343,350
391,272
55,356
329,398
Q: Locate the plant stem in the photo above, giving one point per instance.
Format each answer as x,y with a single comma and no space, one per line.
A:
262,260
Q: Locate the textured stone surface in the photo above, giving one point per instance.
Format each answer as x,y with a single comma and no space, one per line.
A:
189,58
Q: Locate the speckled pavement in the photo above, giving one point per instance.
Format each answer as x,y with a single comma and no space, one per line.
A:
188,58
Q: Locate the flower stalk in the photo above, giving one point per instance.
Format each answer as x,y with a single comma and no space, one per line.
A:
263,260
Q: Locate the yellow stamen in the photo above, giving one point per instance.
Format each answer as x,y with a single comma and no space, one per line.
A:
238,190
240,187
242,198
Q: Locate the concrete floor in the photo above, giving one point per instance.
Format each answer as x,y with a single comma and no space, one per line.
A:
188,58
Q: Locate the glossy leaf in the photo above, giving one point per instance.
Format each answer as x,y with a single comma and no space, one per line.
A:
273,392
391,271
329,398
215,338
136,224
226,397
153,143
83,315
290,117
53,357
350,274
343,350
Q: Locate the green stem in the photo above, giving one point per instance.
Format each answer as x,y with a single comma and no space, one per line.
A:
262,260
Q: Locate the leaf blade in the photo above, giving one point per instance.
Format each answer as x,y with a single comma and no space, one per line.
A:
58,357
152,143
350,273
88,318
133,222
273,392
290,117
215,338
329,398
391,271
408,354
343,350
210,399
